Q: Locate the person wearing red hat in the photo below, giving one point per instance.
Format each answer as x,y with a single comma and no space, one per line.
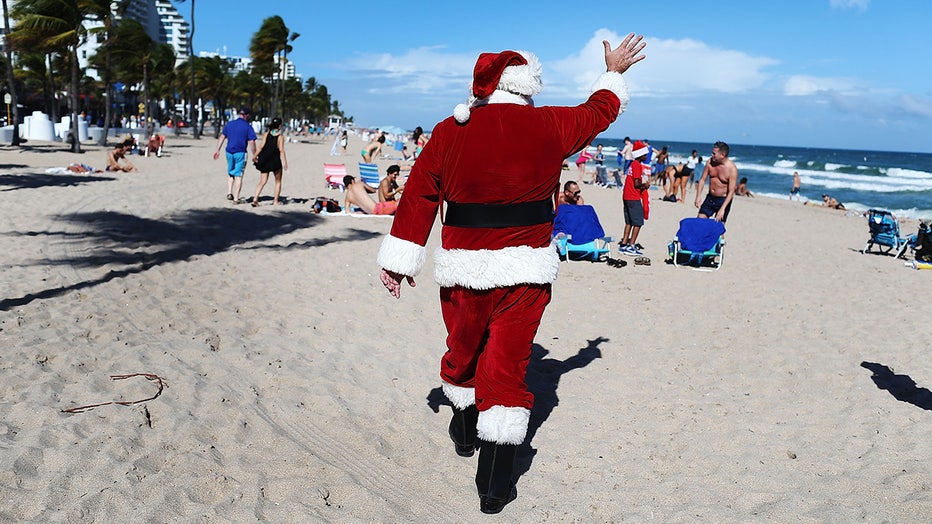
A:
496,263
637,180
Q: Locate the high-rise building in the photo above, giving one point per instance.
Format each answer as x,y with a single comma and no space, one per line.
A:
159,18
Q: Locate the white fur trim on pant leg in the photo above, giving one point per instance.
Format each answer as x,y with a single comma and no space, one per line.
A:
503,425
460,397
401,256
491,268
615,83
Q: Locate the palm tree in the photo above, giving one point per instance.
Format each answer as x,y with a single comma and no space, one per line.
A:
140,58
104,11
191,70
54,24
10,78
267,44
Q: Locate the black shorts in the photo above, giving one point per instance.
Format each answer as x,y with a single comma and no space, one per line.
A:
712,204
634,212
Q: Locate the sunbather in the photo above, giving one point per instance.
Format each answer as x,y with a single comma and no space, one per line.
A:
357,194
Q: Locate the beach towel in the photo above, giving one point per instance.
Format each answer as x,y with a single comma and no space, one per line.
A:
579,221
699,234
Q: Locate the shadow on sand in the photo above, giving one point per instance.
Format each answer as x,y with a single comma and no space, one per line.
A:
34,181
543,379
902,387
132,244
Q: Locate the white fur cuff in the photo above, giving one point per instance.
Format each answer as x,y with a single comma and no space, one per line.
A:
615,83
401,256
460,397
503,425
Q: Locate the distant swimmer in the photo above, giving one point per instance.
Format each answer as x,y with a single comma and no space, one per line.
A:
794,193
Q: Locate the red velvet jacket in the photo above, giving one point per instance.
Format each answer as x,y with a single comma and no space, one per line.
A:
507,152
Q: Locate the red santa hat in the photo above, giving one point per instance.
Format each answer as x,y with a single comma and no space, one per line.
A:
514,72
639,149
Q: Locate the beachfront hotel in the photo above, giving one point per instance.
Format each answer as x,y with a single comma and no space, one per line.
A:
162,22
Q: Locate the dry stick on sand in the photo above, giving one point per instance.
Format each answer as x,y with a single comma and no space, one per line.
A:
149,376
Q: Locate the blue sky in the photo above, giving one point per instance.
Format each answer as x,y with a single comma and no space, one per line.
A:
850,74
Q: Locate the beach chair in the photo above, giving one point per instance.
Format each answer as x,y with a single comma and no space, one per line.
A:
578,234
884,233
369,173
333,176
699,243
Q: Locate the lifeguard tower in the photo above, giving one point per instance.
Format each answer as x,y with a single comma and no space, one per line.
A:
334,122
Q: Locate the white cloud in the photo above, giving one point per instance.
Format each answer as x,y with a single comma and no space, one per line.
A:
671,66
850,4
424,70
916,105
803,85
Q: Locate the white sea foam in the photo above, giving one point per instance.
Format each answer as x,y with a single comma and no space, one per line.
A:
833,167
784,163
895,180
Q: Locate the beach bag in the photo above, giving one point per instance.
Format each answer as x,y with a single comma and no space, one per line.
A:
326,204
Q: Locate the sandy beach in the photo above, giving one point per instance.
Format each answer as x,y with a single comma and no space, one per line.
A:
790,386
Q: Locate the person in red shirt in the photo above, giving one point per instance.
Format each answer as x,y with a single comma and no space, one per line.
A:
637,180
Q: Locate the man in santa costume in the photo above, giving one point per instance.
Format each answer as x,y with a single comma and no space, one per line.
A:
493,170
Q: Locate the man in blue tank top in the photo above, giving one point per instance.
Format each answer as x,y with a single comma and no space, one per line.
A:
240,136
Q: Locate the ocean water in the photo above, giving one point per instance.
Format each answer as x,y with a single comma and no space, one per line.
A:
861,180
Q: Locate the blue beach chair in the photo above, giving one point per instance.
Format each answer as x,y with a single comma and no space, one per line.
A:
369,173
699,241
578,234
885,234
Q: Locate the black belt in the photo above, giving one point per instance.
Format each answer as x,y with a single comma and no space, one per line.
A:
499,215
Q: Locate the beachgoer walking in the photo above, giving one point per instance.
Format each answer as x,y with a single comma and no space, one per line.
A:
794,192
239,136
584,156
344,139
723,179
271,159
496,265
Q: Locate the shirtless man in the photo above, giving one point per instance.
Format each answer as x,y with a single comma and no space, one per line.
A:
570,194
119,153
723,178
389,187
357,194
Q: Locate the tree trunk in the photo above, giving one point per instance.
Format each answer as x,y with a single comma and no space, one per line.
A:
108,93
75,85
53,110
11,79
197,133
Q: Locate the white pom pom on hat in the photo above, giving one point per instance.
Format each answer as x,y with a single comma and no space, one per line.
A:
516,72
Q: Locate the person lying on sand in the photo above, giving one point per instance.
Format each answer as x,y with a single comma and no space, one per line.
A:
829,201
82,168
357,194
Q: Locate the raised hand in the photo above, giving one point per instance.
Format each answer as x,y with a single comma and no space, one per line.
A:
618,60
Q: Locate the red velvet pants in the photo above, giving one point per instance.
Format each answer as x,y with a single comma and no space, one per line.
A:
489,339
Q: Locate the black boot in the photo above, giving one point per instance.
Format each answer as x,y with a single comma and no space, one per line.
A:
493,476
463,430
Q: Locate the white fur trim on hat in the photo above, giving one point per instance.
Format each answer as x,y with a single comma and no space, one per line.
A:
615,83
638,153
401,256
491,268
522,79
517,84
503,425
460,397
